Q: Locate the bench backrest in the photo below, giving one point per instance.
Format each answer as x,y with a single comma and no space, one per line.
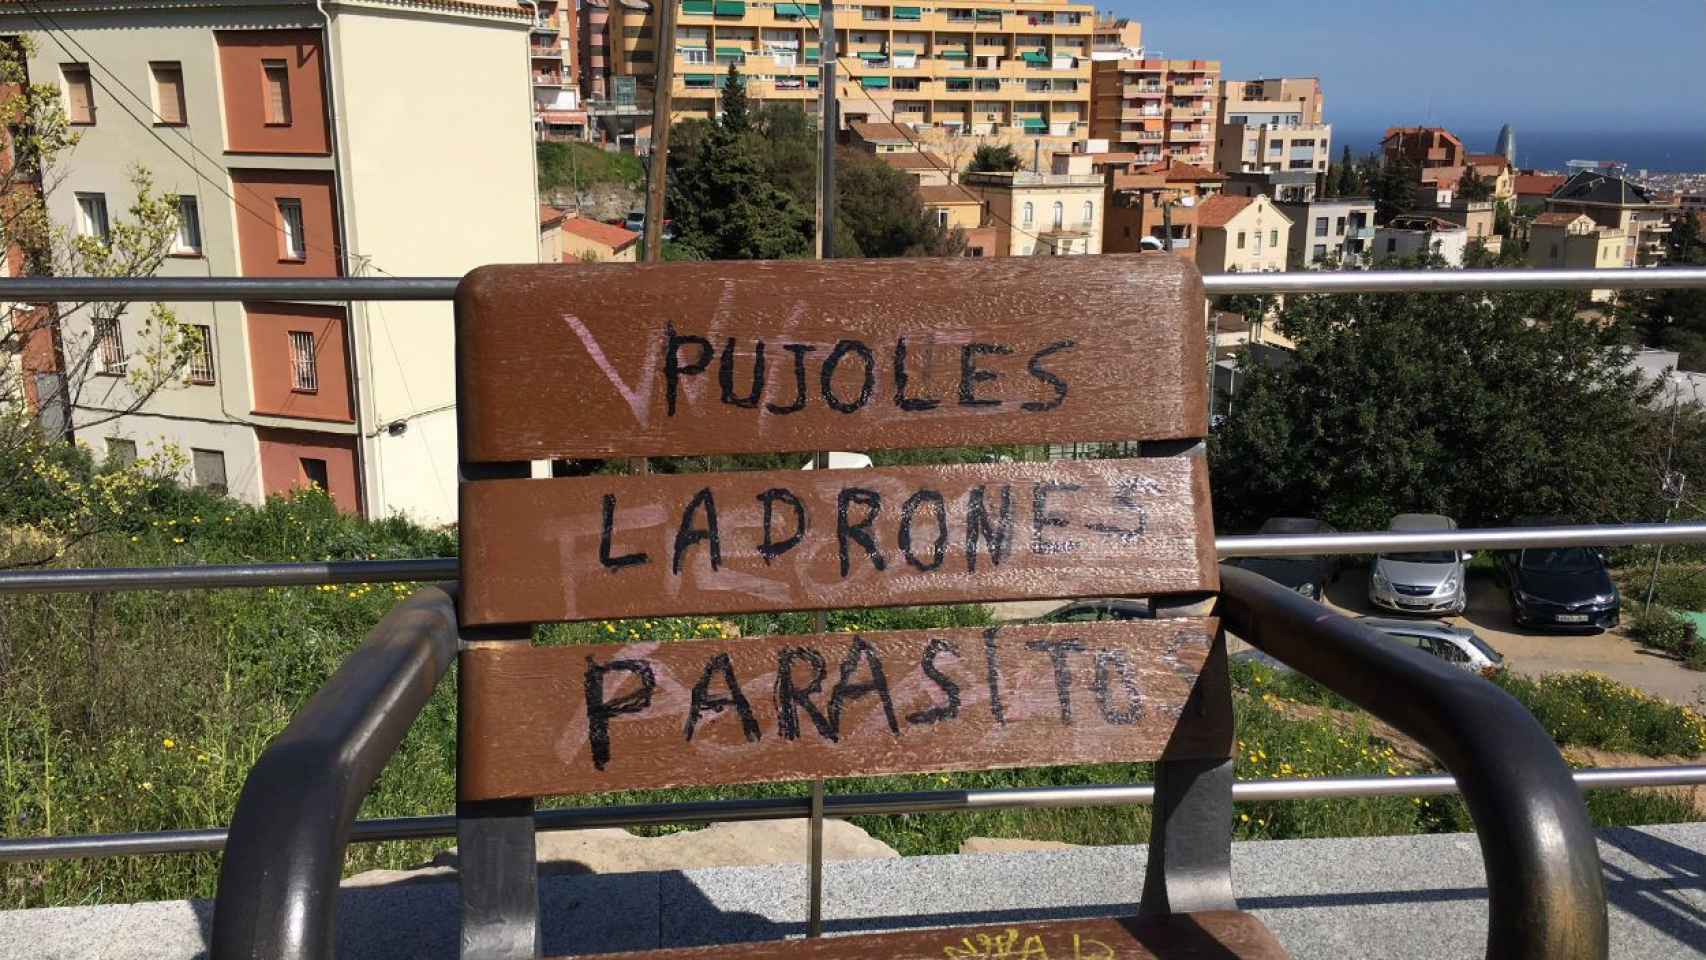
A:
608,361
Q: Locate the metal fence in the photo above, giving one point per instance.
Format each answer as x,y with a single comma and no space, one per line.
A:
32,289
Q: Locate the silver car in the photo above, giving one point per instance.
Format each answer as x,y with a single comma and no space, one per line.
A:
1458,646
1424,581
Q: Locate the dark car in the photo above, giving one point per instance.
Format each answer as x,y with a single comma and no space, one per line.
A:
1308,575
1567,588
1090,611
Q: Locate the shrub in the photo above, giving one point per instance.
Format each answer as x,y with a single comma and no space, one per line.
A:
1657,628
1591,710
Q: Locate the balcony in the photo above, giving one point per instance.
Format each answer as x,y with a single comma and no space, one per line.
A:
1132,90
548,80
552,53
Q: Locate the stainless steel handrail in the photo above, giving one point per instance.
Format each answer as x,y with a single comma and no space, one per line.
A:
205,576
846,805
87,289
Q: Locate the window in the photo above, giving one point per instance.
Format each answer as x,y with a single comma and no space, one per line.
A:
1240,239
1341,226
640,56
1320,226
696,55
314,471
1275,146
92,216
168,93
942,219
293,245
109,346
1554,250
1392,246
304,370
120,452
1059,214
201,354
1273,238
209,468
189,228
1029,217
79,93
1089,212
1319,253
275,92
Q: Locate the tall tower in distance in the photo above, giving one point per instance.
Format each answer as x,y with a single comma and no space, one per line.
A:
1506,146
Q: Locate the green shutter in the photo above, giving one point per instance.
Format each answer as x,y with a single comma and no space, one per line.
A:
731,52
812,54
1034,56
701,7
904,53
699,79
870,56
908,13
955,55
811,9
731,8
788,10
873,83
1033,125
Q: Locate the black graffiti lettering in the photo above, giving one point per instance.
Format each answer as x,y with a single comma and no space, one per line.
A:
949,688
703,700
1057,651
1035,366
771,548
791,697
599,711
909,510
799,350
978,527
606,533
673,369
971,376
901,400
1104,696
726,375
992,676
687,534
859,532
1126,493
826,376
1041,519
846,689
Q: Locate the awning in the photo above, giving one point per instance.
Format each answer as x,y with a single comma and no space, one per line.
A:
731,52
813,54
955,55
904,53
908,13
797,10
1034,56
699,79
1033,125
873,82
701,7
731,8
872,55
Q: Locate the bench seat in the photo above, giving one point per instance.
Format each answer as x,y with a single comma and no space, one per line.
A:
1210,935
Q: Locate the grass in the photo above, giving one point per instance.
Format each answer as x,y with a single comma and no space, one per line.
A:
144,711
579,166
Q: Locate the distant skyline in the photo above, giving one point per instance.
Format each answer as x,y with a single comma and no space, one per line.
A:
1554,65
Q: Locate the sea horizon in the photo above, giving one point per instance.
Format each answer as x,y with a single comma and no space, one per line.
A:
1656,151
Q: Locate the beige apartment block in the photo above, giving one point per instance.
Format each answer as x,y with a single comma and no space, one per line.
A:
1040,213
1573,241
1272,125
1242,235
298,147
999,70
1157,109
1116,38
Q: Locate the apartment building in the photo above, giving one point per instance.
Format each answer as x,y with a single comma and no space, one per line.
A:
1272,125
1116,38
1144,204
1158,109
297,147
1337,230
1002,70
1574,241
1040,213
1622,205
1418,234
1242,235
552,53
1426,147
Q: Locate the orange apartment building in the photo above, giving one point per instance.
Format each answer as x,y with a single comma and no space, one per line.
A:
554,57
1157,109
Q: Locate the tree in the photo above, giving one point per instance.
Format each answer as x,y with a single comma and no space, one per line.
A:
735,116
1395,188
1483,407
1474,187
1674,319
993,158
55,352
1344,179
884,217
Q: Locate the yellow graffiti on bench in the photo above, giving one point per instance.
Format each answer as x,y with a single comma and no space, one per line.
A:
1008,946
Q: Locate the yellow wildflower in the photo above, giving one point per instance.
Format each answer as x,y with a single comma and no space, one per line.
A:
168,743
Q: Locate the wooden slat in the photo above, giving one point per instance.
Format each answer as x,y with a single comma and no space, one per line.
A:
606,546
588,719
579,361
1210,935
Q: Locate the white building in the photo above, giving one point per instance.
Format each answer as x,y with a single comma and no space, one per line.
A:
1414,234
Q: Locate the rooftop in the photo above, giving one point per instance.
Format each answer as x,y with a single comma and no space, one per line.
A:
881,133
1218,211
1590,186
1557,218
1179,172
549,216
1423,222
1538,184
946,194
921,160
608,234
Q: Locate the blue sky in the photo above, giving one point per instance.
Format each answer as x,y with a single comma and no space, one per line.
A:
1554,65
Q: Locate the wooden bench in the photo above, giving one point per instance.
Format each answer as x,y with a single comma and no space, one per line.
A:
676,360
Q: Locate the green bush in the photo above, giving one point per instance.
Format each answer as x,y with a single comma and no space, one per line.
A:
1679,587
1591,710
1657,628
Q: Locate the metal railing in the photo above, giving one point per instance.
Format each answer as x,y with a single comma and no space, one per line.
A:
48,289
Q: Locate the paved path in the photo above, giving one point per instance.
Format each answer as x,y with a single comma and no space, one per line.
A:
1410,897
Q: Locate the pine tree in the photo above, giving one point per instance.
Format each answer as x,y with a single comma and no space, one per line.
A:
1395,189
736,115
1347,180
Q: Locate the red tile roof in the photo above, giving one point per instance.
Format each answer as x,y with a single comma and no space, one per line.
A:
608,234
1178,172
945,194
550,215
881,133
1219,210
1488,160
1538,184
923,160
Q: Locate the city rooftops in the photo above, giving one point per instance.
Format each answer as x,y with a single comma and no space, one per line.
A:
1590,186
1423,223
607,234
1219,211
888,134
1538,184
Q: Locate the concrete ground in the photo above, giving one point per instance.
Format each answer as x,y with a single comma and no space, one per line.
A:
1413,897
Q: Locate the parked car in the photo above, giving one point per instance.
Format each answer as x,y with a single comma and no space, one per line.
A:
1422,581
1459,646
1567,588
1309,575
636,221
1102,608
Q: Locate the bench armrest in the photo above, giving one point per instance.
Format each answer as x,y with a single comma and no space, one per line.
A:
278,885
1546,898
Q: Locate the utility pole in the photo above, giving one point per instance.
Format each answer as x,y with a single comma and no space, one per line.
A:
657,173
829,120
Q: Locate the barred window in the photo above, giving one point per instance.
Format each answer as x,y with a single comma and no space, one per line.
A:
201,354
304,372
109,346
